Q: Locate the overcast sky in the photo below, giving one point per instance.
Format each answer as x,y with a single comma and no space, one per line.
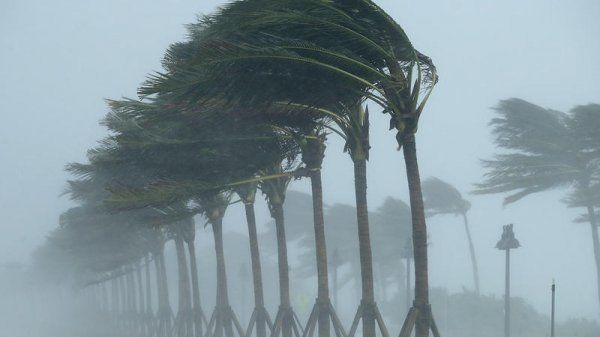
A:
60,59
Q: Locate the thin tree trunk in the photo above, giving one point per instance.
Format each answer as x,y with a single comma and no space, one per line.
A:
222,293
115,297
184,288
195,289
408,297
104,294
164,307
596,245
148,285
364,243
115,303
282,258
123,295
419,229
321,253
142,306
507,295
132,300
164,281
148,314
259,302
159,284
335,287
472,253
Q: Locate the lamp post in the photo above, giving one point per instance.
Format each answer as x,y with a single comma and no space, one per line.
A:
553,308
506,243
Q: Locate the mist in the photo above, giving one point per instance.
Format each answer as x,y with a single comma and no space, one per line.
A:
61,60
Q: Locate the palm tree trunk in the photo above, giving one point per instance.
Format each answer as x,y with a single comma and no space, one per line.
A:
282,258
472,253
284,288
197,309
104,294
364,243
321,253
596,245
142,306
335,286
222,293
159,285
148,314
419,229
115,303
164,307
259,302
132,300
184,289
408,297
124,311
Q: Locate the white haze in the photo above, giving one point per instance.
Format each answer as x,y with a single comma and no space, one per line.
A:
60,59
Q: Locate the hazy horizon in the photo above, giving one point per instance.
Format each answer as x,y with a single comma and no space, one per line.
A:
61,60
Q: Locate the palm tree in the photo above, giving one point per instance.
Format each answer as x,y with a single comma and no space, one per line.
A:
392,220
547,149
443,198
241,154
275,190
116,241
371,59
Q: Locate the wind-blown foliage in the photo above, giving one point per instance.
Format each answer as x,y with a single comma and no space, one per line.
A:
547,149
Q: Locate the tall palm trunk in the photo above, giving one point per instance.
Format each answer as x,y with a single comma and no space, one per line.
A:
364,244
115,304
197,309
148,314
185,308
335,263
104,298
142,305
282,258
159,285
596,245
131,291
472,253
123,295
222,292
321,253
164,307
259,302
419,229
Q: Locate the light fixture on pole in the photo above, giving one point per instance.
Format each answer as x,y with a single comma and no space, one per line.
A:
506,243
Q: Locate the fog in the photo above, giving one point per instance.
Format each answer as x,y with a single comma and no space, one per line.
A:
61,59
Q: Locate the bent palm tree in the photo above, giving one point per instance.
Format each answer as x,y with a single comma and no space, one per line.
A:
547,149
355,45
443,198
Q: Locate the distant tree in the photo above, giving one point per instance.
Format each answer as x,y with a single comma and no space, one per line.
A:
391,225
443,198
547,149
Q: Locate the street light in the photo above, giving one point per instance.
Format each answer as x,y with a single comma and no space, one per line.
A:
506,243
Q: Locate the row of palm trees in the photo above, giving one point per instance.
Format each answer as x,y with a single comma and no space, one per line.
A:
245,105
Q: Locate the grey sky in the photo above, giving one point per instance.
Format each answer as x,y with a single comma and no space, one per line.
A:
61,58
